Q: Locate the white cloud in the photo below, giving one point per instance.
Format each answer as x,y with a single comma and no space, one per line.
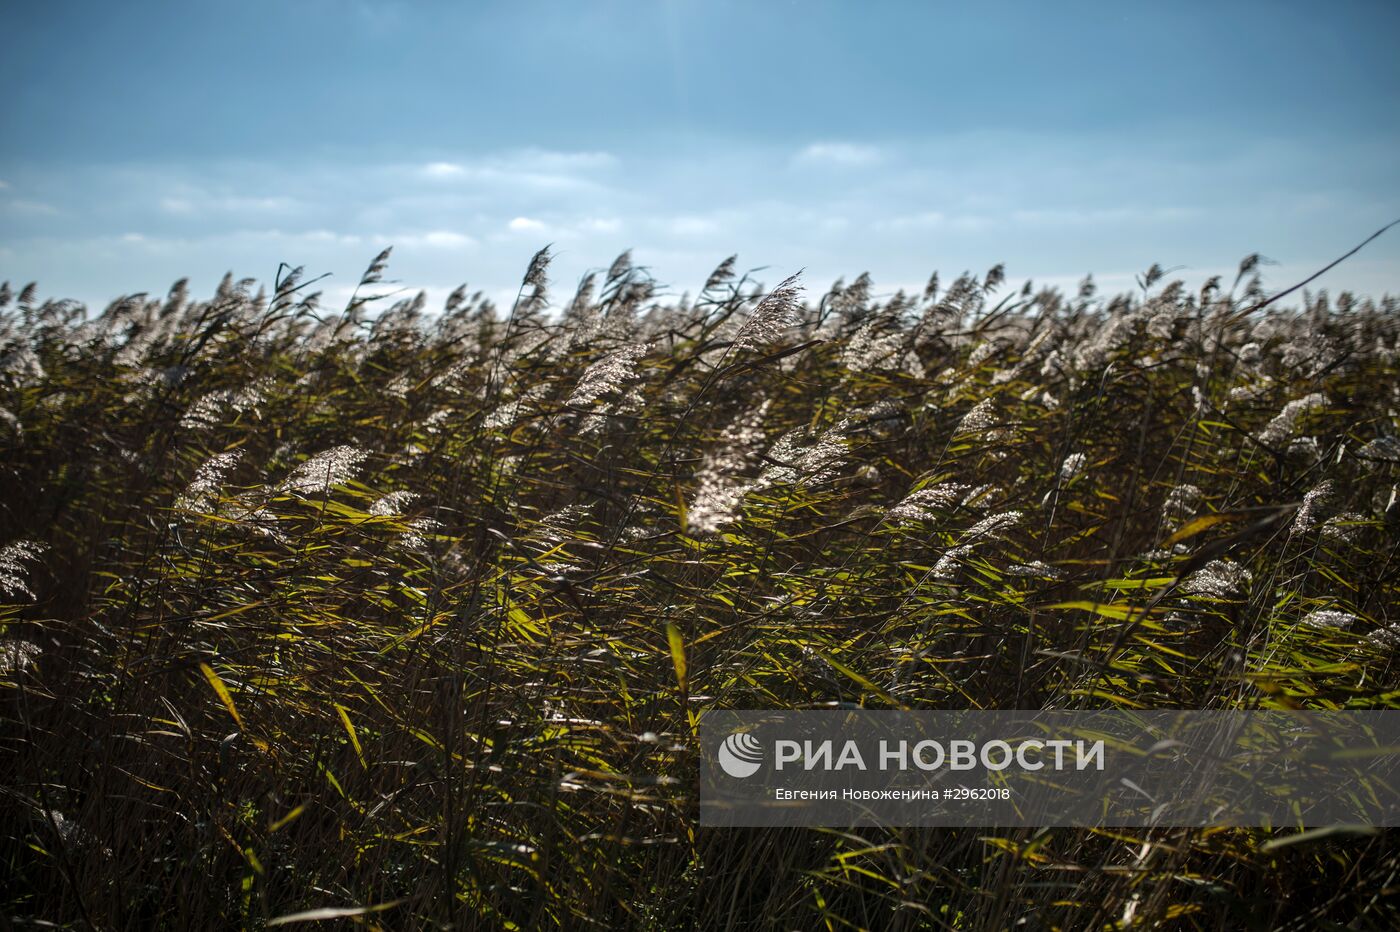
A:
257,204
1100,216
4,185
693,226
230,239
33,207
440,239
600,225
927,220
200,202
839,153
330,236
547,160
443,170
904,206
403,242
524,168
935,220
566,228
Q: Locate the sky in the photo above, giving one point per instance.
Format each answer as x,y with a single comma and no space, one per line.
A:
149,141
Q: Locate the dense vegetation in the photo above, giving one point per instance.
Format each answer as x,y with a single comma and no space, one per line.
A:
408,617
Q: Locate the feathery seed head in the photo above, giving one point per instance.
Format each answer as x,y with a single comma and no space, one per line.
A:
1329,618
723,274
608,374
716,502
948,565
1388,636
537,272
1182,500
1313,503
1072,466
14,574
203,491
981,417
777,311
927,504
16,656
1035,569
992,525
1220,579
392,504
1283,426
1385,449
324,470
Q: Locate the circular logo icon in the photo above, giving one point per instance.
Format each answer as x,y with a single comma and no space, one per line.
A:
740,755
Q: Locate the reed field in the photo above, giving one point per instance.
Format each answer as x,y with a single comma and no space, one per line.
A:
403,616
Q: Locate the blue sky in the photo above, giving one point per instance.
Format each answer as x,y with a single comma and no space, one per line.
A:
146,141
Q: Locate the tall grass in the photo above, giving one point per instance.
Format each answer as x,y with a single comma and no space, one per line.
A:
406,619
